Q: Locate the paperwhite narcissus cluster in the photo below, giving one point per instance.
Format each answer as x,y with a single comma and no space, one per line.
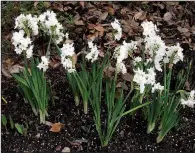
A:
22,43
154,45
51,25
44,63
116,25
190,102
176,51
157,49
121,53
27,21
66,57
142,78
93,54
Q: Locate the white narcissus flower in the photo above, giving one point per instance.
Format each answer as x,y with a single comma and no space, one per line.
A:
150,76
29,52
116,25
44,63
67,35
66,57
121,67
175,51
190,102
51,25
156,48
142,78
150,29
93,54
27,21
22,44
157,86
121,53
137,60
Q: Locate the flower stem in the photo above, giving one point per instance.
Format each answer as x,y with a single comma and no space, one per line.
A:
76,99
150,128
85,107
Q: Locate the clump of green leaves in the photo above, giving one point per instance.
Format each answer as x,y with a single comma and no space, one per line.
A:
33,86
165,104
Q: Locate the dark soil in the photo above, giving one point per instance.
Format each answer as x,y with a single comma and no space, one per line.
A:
131,134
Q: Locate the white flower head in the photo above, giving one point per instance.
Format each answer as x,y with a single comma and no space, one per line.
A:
121,52
66,57
121,68
150,29
190,102
157,86
137,60
22,43
44,63
116,26
156,48
93,54
150,76
67,35
29,52
142,78
175,52
27,21
51,25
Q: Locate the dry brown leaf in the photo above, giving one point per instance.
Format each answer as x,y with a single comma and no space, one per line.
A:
82,4
91,26
127,77
66,149
187,85
103,16
167,17
110,10
5,73
35,4
121,84
16,69
79,22
99,28
182,30
54,63
74,59
58,6
141,15
56,127
162,6
101,53
108,71
172,3
138,15
47,4
93,36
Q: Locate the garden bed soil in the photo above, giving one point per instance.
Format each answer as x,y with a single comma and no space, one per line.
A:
130,136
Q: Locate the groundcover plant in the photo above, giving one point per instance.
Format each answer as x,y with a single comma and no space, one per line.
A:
150,86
